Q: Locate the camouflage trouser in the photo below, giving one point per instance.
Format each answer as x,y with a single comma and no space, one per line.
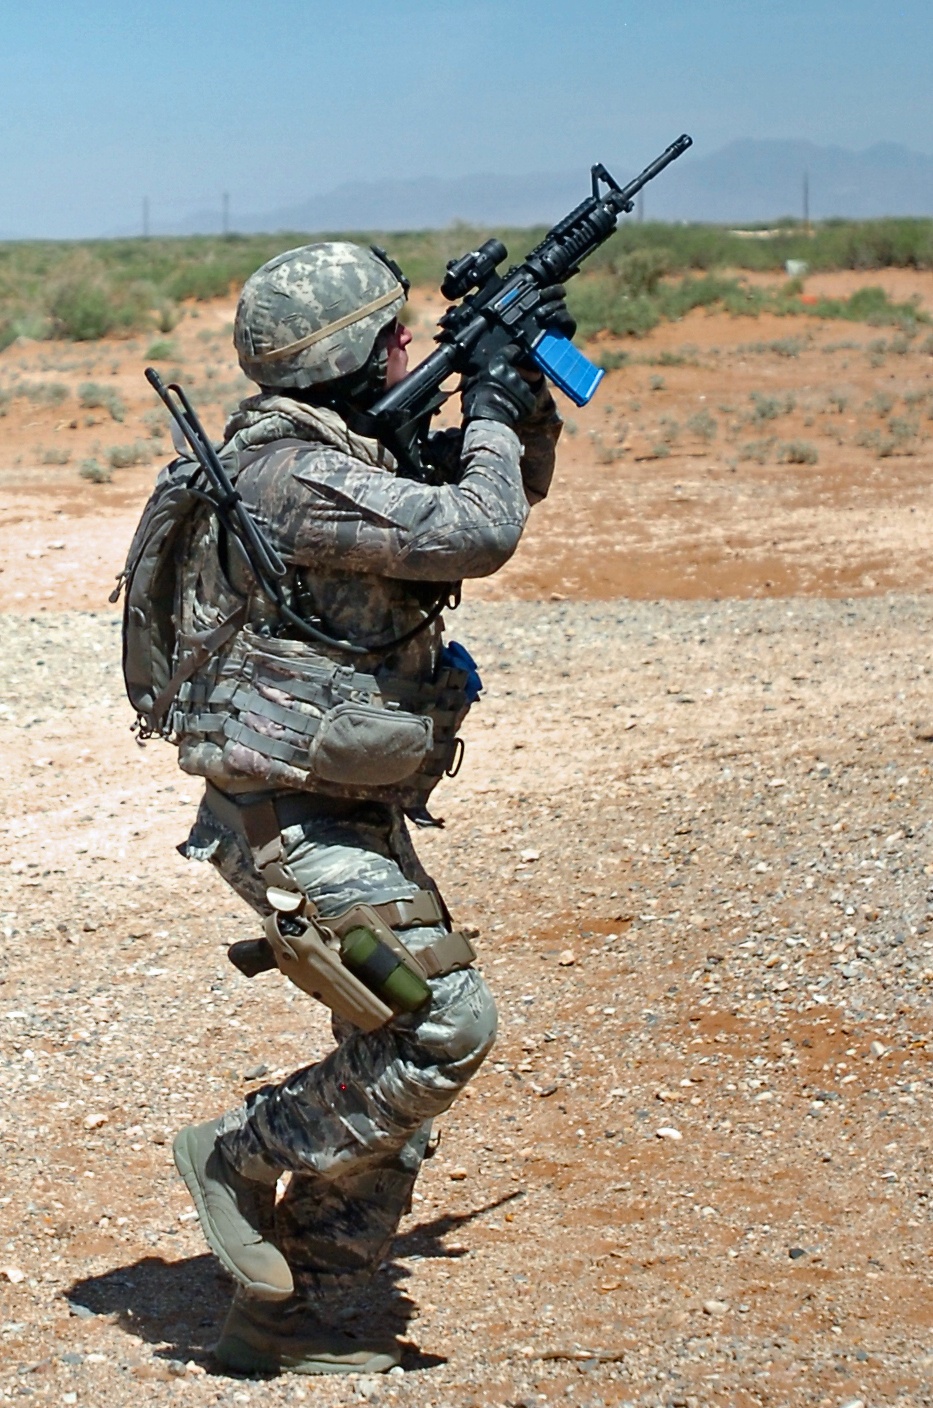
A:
351,1130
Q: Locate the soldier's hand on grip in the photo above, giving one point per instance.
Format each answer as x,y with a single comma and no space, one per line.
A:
499,392
552,311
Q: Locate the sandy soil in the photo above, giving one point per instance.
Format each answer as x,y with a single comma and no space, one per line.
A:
693,830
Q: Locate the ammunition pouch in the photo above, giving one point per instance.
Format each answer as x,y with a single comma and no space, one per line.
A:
277,711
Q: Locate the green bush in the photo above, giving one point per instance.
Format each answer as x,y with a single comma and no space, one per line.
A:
610,361
82,311
95,472
92,395
123,456
161,351
797,452
702,425
645,273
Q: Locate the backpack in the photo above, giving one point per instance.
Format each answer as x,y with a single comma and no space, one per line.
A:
152,672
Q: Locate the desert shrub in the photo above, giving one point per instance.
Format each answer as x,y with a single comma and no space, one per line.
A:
879,443
201,282
882,403
757,450
779,347
645,272
92,395
838,401
797,452
611,361
770,407
640,271
668,430
904,430
161,351
54,455
604,452
599,304
702,425
82,311
94,471
167,317
43,393
657,383
123,456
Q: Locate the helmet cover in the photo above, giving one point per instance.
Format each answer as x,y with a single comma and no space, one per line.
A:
313,314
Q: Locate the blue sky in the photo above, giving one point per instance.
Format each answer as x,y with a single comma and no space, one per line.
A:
103,103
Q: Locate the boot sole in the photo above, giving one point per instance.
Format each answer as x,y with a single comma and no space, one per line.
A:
186,1167
239,1355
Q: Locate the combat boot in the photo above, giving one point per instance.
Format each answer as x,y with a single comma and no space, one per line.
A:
236,1213
258,1338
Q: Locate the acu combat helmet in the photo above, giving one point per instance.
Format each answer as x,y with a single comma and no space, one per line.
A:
312,315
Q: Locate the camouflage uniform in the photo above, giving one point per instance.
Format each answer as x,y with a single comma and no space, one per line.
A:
364,545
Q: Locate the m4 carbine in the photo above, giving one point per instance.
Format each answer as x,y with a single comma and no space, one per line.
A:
498,309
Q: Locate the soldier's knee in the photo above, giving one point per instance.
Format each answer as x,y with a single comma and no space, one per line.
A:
459,1027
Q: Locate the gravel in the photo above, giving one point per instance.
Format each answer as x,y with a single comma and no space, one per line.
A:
695,841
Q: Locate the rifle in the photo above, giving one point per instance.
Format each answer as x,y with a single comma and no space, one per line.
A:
498,309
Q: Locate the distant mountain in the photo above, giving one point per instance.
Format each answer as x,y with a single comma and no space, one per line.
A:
754,181
415,203
744,182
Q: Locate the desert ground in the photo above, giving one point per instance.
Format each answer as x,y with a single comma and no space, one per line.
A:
692,831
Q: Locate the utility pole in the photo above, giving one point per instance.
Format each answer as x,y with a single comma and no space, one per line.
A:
806,202
145,217
225,219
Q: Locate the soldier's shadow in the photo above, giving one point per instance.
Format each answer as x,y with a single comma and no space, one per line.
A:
179,1306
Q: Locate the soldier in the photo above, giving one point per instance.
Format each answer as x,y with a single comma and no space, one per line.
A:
315,744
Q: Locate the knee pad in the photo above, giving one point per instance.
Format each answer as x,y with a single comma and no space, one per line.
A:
459,1027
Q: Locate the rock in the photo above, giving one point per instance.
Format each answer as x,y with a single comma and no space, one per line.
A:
796,1253
13,1274
715,1307
567,958
529,856
255,1072
457,1175
80,1312
95,1121
877,1049
668,1132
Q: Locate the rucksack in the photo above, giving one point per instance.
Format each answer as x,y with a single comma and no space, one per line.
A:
152,673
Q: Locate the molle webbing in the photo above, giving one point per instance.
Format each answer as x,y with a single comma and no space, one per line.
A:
275,706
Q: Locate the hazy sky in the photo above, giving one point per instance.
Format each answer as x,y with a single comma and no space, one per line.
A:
107,101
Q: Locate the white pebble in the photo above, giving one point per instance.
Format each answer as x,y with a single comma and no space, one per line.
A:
668,1132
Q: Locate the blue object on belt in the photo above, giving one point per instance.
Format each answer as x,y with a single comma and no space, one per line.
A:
455,656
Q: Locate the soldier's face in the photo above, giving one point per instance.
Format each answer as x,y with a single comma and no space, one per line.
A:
397,339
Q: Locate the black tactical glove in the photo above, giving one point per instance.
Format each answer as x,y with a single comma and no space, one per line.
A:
552,312
499,392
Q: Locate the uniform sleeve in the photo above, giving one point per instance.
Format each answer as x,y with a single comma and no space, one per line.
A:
540,434
326,509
